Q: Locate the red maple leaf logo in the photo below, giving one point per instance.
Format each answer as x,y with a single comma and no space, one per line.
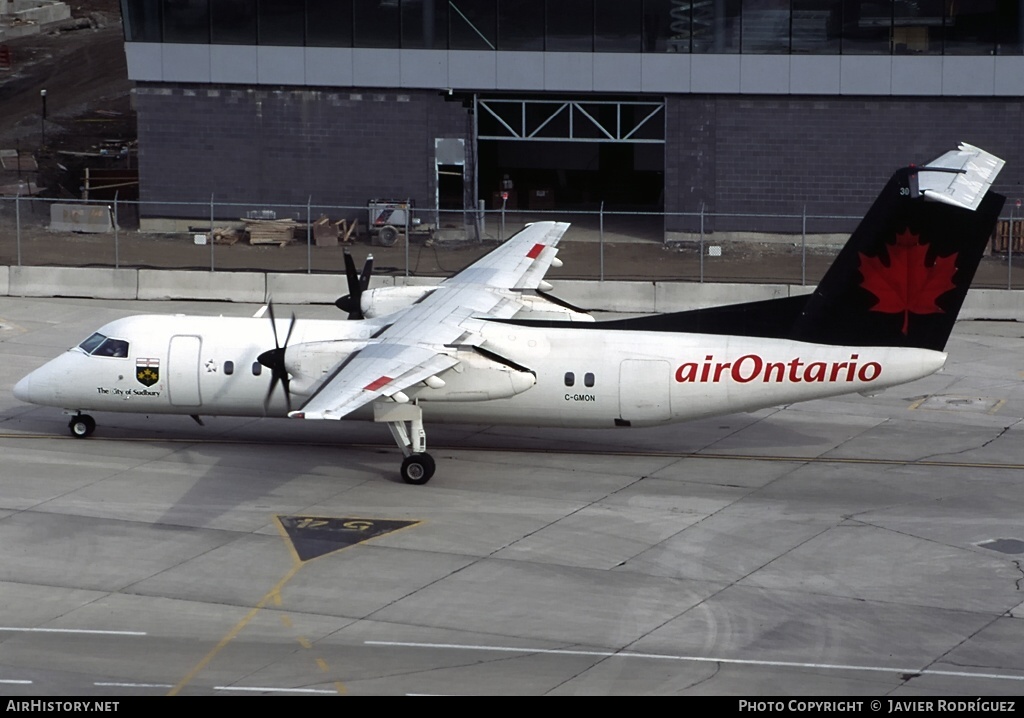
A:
908,284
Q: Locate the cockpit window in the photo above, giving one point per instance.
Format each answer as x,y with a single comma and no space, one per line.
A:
90,344
112,348
101,346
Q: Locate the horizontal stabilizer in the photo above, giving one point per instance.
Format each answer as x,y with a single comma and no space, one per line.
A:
962,178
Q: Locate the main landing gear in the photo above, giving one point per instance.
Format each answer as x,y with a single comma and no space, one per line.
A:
406,424
82,426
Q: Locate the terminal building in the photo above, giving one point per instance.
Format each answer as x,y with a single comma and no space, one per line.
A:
733,107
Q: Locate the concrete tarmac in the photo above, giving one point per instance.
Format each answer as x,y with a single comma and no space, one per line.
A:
867,547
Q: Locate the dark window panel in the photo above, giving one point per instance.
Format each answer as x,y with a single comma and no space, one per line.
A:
618,25
141,20
570,378
765,26
472,24
666,27
588,379
521,25
867,27
377,23
234,22
425,24
229,367
917,27
971,28
716,27
817,26
329,23
570,26
281,22
1010,29
187,21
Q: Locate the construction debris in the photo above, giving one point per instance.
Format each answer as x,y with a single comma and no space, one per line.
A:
270,231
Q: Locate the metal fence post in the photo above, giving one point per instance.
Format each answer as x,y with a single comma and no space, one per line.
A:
1009,254
309,235
408,211
211,232
803,250
701,242
601,236
117,234
17,224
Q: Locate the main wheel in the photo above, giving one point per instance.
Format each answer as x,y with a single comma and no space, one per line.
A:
82,426
417,469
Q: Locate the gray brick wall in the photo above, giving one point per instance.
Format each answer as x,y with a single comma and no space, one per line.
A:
730,154
261,147
772,155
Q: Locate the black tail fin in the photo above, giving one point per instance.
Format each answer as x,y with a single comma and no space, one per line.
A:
903,275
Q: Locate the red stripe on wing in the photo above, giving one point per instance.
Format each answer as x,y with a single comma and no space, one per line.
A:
377,383
535,251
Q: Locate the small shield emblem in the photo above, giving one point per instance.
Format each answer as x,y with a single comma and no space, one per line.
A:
147,371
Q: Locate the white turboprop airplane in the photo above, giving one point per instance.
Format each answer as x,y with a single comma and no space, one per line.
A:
464,351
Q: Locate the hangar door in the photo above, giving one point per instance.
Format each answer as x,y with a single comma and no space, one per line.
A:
571,153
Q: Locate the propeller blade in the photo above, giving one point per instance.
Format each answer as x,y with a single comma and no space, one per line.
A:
274,359
364,278
352,302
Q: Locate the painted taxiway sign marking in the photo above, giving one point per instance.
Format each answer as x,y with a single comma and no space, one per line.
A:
314,536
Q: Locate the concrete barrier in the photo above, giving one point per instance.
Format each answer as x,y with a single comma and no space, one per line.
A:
91,283
607,296
999,304
158,284
256,287
88,218
679,296
306,288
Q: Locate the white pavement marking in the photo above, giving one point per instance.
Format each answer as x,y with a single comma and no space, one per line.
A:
703,659
258,689
73,630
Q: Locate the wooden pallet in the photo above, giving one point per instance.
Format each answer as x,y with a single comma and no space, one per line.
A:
270,231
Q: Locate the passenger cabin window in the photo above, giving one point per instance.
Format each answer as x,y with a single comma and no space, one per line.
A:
570,378
229,367
100,346
257,368
588,379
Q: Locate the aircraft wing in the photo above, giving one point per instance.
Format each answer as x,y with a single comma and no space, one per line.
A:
420,342
519,263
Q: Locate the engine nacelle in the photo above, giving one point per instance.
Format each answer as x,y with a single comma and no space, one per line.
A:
388,300
309,362
475,378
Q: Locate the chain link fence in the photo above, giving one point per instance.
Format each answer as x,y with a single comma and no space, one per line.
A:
791,248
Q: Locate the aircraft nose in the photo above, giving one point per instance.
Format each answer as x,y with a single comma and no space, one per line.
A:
23,390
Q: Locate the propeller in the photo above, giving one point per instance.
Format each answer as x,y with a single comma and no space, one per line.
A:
273,359
357,284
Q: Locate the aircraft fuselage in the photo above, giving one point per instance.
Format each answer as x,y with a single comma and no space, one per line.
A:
584,378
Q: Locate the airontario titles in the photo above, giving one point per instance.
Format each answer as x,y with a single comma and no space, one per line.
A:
752,367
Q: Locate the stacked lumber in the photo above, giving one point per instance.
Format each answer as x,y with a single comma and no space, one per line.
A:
270,231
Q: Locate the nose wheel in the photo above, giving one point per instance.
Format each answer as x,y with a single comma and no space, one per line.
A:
82,426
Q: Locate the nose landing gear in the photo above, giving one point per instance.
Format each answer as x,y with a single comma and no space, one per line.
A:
82,426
